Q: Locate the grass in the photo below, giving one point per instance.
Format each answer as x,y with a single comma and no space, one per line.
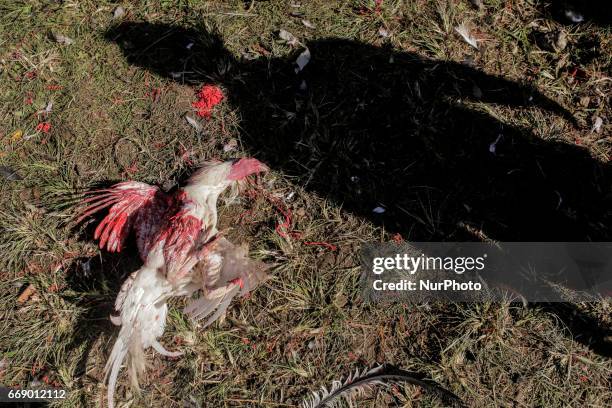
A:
114,118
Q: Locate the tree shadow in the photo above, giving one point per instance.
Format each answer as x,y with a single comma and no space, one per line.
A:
369,127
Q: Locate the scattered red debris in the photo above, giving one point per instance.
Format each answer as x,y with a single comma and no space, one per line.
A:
377,9
132,168
28,100
364,10
54,288
186,155
397,238
44,127
327,245
244,215
283,228
208,97
36,368
271,345
54,87
153,94
578,74
30,74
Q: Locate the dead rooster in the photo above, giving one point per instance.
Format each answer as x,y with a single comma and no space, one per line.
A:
182,253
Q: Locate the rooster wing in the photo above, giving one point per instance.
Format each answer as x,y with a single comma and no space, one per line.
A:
132,205
225,270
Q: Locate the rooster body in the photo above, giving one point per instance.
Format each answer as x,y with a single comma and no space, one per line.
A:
182,253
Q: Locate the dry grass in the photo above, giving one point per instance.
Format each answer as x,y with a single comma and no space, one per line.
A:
113,120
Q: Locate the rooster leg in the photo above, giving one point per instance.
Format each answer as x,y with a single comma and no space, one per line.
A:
161,350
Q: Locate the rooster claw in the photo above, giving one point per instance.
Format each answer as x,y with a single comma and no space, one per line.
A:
161,350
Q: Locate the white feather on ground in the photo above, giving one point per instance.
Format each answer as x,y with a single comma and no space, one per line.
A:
464,32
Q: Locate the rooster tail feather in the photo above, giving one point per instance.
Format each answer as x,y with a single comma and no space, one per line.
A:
113,365
358,383
142,307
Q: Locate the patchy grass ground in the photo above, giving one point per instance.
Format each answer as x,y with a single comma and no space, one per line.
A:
394,110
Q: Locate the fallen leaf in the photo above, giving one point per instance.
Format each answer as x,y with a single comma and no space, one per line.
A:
302,60
16,135
584,101
463,31
26,294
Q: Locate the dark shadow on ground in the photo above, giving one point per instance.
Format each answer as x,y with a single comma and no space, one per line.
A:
96,281
584,328
368,126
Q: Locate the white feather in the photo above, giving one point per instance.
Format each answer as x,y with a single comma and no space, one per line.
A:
463,31
143,310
